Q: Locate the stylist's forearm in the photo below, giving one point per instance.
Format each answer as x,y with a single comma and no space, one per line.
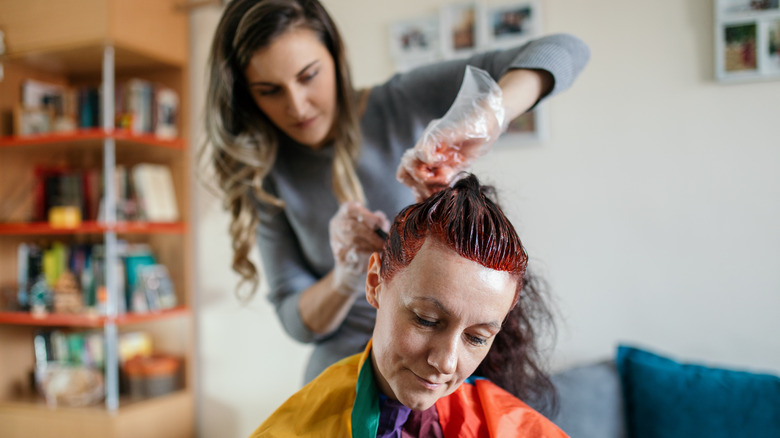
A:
323,308
522,88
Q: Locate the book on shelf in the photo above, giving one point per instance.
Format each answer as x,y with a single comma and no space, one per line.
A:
166,111
89,112
143,192
140,106
70,278
69,347
65,186
154,190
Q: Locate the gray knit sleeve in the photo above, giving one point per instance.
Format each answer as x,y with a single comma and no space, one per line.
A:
414,98
563,55
284,269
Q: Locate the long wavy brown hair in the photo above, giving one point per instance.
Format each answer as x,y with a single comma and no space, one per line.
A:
465,218
241,142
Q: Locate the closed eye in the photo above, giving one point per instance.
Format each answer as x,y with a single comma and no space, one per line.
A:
424,322
268,91
309,76
476,340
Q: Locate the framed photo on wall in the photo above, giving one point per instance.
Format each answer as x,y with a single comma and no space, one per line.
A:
747,40
461,29
511,24
528,128
415,42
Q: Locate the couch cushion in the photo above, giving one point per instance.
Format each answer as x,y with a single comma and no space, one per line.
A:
665,398
590,404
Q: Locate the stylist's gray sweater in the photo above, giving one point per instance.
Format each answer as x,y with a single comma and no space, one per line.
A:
294,243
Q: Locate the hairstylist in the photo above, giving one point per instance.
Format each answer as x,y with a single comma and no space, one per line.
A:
309,167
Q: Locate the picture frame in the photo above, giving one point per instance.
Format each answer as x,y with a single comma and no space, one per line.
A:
461,29
415,42
31,121
527,129
464,28
511,24
747,40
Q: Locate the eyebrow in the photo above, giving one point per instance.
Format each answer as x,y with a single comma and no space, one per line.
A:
308,66
441,307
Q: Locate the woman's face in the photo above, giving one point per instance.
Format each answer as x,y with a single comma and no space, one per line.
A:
293,81
436,320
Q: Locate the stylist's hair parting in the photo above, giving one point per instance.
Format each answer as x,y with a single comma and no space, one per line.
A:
465,218
242,142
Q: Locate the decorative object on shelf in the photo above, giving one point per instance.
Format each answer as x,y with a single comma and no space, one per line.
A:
67,295
461,29
59,101
71,385
152,376
32,121
747,40
65,216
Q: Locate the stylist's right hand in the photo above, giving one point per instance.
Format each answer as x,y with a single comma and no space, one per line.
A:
352,239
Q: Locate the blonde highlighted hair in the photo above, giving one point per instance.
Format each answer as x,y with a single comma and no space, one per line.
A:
241,142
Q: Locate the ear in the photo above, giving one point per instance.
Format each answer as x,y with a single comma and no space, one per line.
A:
373,280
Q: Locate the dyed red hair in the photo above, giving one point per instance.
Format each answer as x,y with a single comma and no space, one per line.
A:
465,218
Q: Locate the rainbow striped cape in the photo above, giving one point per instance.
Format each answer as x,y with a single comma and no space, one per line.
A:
343,401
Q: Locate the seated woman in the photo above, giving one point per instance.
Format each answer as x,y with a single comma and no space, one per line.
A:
447,289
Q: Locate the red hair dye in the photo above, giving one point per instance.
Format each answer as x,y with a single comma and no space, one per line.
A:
465,219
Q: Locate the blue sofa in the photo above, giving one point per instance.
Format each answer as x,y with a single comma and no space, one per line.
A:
642,394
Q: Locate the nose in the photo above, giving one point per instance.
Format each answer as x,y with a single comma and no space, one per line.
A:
444,355
296,102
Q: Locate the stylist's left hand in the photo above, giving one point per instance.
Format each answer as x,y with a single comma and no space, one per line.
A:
451,144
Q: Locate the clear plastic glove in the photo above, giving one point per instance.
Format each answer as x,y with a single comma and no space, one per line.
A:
353,238
450,145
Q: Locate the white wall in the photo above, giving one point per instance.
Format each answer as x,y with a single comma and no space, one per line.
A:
653,208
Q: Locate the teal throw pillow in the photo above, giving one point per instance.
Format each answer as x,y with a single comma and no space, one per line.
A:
668,399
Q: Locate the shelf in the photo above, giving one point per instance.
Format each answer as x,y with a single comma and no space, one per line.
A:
91,227
35,401
87,320
87,136
75,44
87,59
148,418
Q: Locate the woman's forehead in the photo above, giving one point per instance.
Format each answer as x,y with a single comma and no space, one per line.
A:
439,274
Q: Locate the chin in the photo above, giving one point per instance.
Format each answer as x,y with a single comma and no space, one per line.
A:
419,403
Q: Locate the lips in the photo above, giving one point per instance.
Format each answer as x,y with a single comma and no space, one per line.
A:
427,384
305,123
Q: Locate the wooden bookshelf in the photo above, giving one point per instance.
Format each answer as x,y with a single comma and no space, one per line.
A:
88,320
93,136
165,416
93,227
78,43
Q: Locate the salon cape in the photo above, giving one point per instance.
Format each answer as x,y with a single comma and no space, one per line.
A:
343,401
